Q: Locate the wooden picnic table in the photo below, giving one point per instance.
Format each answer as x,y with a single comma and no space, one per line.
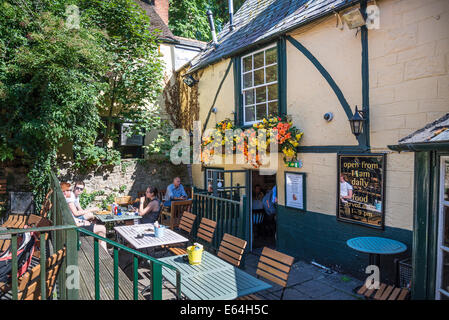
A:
213,279
129,233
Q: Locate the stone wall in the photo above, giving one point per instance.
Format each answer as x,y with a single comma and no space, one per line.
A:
136,175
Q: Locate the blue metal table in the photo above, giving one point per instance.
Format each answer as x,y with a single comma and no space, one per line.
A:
375,246
213,279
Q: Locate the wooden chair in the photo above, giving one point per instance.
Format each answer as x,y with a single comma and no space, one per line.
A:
46,208
35,221
29,283
206,230
275,267
186,224
176,210
385,292
123,201
3,190
49,193
231,249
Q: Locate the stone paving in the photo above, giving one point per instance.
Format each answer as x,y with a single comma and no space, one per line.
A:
306,282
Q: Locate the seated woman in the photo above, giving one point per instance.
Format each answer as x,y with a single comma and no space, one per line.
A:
149,206
82,223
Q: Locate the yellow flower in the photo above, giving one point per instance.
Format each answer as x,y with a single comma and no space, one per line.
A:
299,135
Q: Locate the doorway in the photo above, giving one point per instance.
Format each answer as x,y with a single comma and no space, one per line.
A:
263,227
442,280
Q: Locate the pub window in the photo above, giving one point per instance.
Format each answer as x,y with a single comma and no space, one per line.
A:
259,79
210,177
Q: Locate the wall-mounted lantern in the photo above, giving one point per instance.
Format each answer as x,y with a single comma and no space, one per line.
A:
357,122
354,18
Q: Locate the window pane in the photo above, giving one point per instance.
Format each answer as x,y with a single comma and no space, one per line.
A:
248,80
261,94
258,60
446,181
249,114
272,73
259,77
446,226
273,108
445,272
273,92
271,56
247,63
261,111
249,97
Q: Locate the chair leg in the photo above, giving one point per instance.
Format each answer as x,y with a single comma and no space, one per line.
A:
282,294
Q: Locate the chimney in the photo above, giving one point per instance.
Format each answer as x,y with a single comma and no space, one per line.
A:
161,7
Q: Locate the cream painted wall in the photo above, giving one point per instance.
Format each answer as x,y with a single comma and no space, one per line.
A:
409,87
208,86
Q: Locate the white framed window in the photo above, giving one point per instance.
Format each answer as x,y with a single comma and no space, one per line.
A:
259,89
442,280
210,177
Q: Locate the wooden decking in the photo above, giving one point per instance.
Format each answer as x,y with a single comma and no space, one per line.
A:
87,275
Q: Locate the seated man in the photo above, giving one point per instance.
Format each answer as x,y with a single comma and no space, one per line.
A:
175,191
81,216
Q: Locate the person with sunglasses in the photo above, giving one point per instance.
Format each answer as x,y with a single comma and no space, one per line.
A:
82,216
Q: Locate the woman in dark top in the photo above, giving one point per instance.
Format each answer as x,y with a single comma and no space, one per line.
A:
149,206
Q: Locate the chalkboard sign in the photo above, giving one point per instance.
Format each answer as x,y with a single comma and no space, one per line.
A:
134,140
361,189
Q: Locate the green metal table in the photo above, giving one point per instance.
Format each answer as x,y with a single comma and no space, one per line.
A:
213,279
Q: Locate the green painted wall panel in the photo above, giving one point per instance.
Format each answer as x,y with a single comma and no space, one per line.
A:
321,238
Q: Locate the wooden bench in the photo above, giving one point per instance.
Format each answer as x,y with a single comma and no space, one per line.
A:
231,249
273,266
3,190
385,292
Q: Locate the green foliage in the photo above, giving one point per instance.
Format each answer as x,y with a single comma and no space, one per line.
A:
188,18
87,198
55,82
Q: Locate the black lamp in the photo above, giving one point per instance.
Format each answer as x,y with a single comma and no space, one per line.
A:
189,80
357,121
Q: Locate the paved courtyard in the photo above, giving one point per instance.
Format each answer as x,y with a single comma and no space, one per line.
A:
306,282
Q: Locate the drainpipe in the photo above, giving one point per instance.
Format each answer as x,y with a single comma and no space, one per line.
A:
231,15
210,17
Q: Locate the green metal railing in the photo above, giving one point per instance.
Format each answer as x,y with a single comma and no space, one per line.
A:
229,215
155,267
65,233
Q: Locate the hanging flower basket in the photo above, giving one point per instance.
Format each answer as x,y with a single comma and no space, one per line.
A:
278,129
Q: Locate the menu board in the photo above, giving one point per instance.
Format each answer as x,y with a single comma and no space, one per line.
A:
361,189
294,190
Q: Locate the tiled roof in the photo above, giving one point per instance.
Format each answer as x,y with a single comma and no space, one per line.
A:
437,131
259,21
191,42
156,23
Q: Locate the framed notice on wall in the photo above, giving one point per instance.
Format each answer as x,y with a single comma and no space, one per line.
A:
361,189
295,191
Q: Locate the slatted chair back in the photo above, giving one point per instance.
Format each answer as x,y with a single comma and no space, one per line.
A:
176,210
384,292
161,195
46,208
275,266
206,230
29,283
231,249
2,186
49,193
187,221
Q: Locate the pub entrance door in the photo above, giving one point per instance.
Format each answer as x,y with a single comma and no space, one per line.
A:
232,185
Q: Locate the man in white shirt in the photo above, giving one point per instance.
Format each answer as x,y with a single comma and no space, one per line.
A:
345,189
